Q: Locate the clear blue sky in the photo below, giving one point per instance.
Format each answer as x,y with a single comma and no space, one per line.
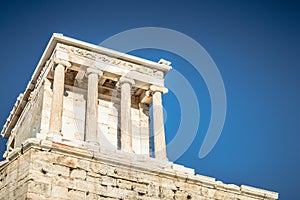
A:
255,45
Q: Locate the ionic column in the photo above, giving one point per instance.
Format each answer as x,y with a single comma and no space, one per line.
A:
126,132
91,125
158,122
57,99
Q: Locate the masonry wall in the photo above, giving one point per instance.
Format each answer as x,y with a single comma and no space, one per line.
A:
14,178
29,122
46,170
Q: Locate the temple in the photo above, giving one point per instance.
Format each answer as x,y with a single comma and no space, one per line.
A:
81,130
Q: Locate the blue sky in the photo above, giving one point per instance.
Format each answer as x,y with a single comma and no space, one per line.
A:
255,45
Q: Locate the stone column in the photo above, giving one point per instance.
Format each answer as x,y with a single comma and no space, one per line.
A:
55,125
91,125
126,130
158,122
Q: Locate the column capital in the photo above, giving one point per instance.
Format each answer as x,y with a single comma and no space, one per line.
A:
64,63
156,88
90,70
124,79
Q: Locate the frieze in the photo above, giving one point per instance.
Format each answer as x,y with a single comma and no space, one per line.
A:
110,60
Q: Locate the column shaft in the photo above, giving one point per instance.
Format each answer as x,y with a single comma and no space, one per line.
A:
126,132
91,125
158,127
57,100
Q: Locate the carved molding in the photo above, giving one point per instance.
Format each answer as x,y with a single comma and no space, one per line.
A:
109,60
94,71
126,80
62,62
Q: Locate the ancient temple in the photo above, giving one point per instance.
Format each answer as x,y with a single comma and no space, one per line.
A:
81,130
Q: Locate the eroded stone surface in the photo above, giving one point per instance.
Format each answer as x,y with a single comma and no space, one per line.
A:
57,174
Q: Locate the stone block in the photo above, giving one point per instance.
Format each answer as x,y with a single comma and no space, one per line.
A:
66,161
168,183
118,193
208,192
78,173
108,181
39,188
76,195
61,170
83,185
91,196
64,182
59,192
98,168
166,193
33,196
21,190
140,188
183,169
36,176
220,195
258,192
92,179
83,164
42,166
93,175
124,184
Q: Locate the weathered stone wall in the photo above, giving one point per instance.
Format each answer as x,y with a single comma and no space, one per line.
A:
30,120
109,125
14,178
46,170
